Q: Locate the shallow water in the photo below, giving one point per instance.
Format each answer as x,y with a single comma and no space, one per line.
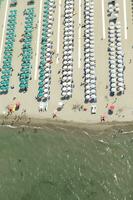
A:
57,164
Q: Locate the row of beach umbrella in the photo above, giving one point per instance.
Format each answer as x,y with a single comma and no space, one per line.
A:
27,50
116,58
67,68
46,52
8,51
89,53
120,60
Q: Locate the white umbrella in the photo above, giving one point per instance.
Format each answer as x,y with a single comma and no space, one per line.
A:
69,78
69,73
65,62
87,97
93,96
112,71
48,59
87,76
113,80
69,67
111,39
92,81
120,84
46,90
63,94
112,66
113,75
118,35
112,62
120,79
121,89
87,87
64,67
87,92
69,83
46,80
46,85
69,88
64,89
92,76
48,55
111,35
87,71
93,86
64,73
120,70
92,72
87,61
47,74
87,81
113,85
119,61
120,75
45,95
64,78
119,44
64,84
69,93
47,69
93,91
119,39
113,89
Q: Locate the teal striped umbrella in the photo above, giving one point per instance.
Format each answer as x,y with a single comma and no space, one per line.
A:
40,95
41,84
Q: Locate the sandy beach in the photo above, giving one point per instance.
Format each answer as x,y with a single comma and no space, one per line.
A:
123,110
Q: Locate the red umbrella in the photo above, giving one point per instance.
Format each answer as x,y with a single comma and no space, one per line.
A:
17,103
112,107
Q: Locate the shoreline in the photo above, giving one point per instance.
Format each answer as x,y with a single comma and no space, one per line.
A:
36,123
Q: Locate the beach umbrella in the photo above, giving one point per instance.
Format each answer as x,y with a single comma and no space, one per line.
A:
46,85
64,73
93,96
64,94
112,66
93,86
112,71
64,84
113,85
69,78
120,79
121,89
69,88
87,87
87,92
120,84
93,81
69,93
45,95
120,75
64,89
113,80
87,97
113,75
120,70
46,80
69,73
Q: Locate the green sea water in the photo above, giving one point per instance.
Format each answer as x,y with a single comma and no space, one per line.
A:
55,164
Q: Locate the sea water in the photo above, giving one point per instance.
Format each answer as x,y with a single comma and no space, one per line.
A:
65,164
